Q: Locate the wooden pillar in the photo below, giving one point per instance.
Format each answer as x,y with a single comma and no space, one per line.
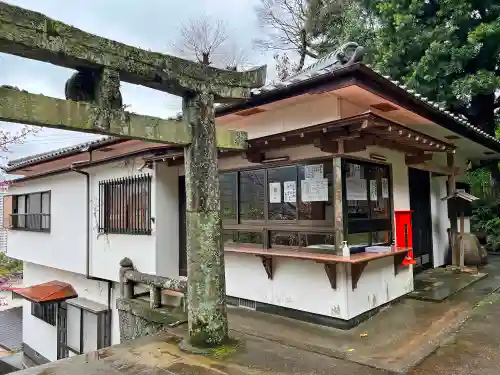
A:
207,315
338,213
455,251
461,254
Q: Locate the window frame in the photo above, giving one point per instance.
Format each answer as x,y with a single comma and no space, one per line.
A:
46,312
118,201
15,215
266,226
103,330
370,226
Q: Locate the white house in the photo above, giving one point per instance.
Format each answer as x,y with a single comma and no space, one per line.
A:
338,150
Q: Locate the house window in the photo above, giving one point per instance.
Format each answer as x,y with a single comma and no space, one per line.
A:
267,207
31,211
125,205
367,203
45,311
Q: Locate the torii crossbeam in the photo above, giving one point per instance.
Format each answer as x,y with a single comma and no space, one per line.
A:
96,107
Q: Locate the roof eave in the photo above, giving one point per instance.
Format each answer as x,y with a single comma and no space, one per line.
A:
19,167
373,81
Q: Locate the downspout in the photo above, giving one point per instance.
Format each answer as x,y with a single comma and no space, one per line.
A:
88,234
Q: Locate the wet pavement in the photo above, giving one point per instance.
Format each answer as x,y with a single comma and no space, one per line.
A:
473,350
415,337
396,339
160,355
440,283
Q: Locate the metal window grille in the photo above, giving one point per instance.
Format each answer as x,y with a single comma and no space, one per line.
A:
45,312
125,205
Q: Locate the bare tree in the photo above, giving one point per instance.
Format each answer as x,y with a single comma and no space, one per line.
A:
284,66
285,22
206,40
233,56
296,25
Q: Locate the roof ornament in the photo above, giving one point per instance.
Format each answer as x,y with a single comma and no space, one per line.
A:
350,53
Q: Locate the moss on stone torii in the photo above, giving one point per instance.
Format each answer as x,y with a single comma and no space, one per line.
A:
32,109
35,36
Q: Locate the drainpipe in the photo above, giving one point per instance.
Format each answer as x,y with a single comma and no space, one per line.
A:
73,167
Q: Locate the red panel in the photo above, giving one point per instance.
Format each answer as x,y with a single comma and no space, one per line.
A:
403,228
404,233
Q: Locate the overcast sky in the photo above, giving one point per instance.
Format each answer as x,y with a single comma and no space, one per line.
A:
149,24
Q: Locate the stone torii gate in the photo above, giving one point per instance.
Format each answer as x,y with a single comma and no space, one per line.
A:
95,106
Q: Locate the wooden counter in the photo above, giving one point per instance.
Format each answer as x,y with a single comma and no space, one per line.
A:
358,261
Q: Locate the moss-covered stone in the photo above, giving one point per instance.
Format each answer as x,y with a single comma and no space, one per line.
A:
206,278
23,107
30,34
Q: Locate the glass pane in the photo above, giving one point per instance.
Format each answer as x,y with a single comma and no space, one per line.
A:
228,195
243,238
379,192
317,240
89,332
358,239
45,210
229,237
316,210
250,238
356,191
381,238
252,195
21,210
73,327
46,203
34,203
282,193
284,239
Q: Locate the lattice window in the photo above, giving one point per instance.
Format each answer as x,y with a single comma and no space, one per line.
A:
125,205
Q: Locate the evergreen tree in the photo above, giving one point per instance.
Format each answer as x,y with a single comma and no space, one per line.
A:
448,50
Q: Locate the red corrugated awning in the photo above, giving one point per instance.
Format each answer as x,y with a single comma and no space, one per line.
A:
52,291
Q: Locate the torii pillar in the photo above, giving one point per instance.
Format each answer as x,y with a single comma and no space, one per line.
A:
207,315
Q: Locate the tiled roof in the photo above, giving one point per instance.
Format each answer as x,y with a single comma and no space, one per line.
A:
351,53
51,291
11,328
17,163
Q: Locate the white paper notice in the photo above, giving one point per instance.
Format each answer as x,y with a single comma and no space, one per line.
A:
356,189
314,190
385,188
275,192
373,190
313,172
290,192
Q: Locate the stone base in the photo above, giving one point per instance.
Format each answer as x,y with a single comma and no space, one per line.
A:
137,319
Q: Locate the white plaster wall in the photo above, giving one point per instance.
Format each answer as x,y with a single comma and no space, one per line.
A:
41,336
440,222
377,286
296,284
107,250
167,220
64,246
297,113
